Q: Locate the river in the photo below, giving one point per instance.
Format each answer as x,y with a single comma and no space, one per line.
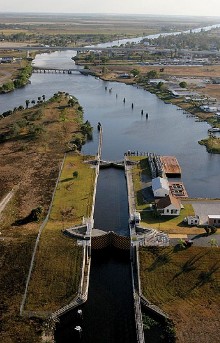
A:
166,132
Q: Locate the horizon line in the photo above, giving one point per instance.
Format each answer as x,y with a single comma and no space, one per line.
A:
113,13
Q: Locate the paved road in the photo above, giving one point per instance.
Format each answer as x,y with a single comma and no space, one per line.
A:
201,240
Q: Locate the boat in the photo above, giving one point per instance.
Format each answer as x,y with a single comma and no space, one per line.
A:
214,129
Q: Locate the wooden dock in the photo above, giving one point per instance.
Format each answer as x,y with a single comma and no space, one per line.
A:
178,189
171,166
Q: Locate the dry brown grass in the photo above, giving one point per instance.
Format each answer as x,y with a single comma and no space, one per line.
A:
32,164
9,71
191,71
185,284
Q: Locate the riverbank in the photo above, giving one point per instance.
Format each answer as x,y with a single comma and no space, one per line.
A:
33,143
16,73
123,73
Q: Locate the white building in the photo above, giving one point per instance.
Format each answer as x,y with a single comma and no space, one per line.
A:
168,206
160,187
192,220
214,220
207,108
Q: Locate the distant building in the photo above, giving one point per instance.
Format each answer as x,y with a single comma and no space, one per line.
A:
207,108
160,187
214,220
156,81
7,59
168,206
216,80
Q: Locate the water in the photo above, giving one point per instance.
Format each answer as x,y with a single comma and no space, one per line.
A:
166,132
108,314
153,36
111,207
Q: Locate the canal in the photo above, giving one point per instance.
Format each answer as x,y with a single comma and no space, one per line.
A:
108,314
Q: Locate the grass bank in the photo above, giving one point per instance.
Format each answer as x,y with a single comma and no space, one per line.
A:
186,284
33,142
57,268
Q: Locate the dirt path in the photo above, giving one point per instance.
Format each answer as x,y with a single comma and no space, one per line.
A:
5,200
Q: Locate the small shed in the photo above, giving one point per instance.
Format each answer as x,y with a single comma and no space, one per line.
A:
160,187
192,220
214,220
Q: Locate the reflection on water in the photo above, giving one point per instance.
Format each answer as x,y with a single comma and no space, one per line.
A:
108,314
111,207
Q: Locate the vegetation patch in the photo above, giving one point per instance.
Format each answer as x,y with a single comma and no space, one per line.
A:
212,144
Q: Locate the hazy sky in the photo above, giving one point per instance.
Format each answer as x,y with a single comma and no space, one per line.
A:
182,7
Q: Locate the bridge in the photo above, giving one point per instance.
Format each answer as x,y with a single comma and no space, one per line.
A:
60,70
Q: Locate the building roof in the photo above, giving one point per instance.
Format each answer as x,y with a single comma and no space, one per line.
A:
160,182
214,216
167,201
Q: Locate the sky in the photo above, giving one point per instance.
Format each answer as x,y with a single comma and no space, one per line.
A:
161,7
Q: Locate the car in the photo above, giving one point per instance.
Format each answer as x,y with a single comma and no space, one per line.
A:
188,243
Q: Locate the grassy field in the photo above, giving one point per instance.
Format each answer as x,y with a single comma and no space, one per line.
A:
185,284
59,259
33,143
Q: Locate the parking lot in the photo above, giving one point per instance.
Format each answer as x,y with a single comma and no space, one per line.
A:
203,208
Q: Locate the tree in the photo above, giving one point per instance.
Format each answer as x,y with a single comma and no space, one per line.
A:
27,103
152,74
71,102
75,174
183,84
213,242
160,85
181,243
135,72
